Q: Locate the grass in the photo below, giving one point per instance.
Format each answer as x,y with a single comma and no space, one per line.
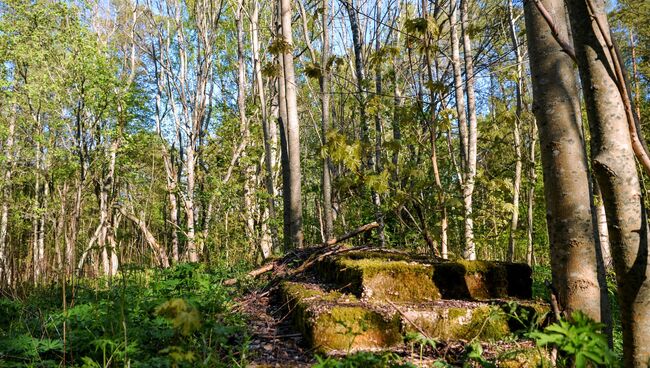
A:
179,317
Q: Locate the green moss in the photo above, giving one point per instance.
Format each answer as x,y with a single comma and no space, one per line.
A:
336,321
381,280
300,292
476,266
487,323
483,322
350,328
524,357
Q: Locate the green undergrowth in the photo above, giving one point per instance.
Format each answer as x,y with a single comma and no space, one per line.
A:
179,317
364,360
542,274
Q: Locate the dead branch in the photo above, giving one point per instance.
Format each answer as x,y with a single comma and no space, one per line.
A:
254,273
420,330
312,254
353,233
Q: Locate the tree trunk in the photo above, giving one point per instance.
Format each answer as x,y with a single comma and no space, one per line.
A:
433,136
368,161
8,148
615,169
376,198
328,222
458,84
571,227
292,127
514,221
532,182
37,213
158,250
269,155
603,233
167,159
470,170
243,125
284,153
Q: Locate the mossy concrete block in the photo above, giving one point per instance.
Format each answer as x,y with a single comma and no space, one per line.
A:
482,280
381,279
457,321
524,356
331,321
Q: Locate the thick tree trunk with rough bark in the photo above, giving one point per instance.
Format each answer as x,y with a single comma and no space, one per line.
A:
571,227
615,169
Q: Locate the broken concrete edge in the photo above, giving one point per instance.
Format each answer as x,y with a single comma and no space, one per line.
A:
330,320
396,277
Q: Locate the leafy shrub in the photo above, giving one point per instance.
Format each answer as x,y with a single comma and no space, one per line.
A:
364,360
178,317
580,339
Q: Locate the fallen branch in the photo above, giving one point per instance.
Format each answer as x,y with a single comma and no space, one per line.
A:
353,233
254,273
314,254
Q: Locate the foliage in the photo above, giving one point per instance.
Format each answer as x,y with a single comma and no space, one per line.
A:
363,360
146,318
474,354
580,338
421,341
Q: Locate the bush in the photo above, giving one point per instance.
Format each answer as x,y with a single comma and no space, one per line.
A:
177,317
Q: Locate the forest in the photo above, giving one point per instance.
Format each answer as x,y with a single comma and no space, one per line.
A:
344,183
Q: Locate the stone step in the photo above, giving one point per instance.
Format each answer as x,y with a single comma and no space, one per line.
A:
381,276
332,321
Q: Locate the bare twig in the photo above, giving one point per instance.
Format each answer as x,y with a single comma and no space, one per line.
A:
420,330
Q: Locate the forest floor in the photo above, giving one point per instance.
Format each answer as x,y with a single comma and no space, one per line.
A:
274,342
184,316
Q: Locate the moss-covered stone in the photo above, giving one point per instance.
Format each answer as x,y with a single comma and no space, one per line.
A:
331,321
529,356
335,321
482,280
486,322
380,280
354,327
